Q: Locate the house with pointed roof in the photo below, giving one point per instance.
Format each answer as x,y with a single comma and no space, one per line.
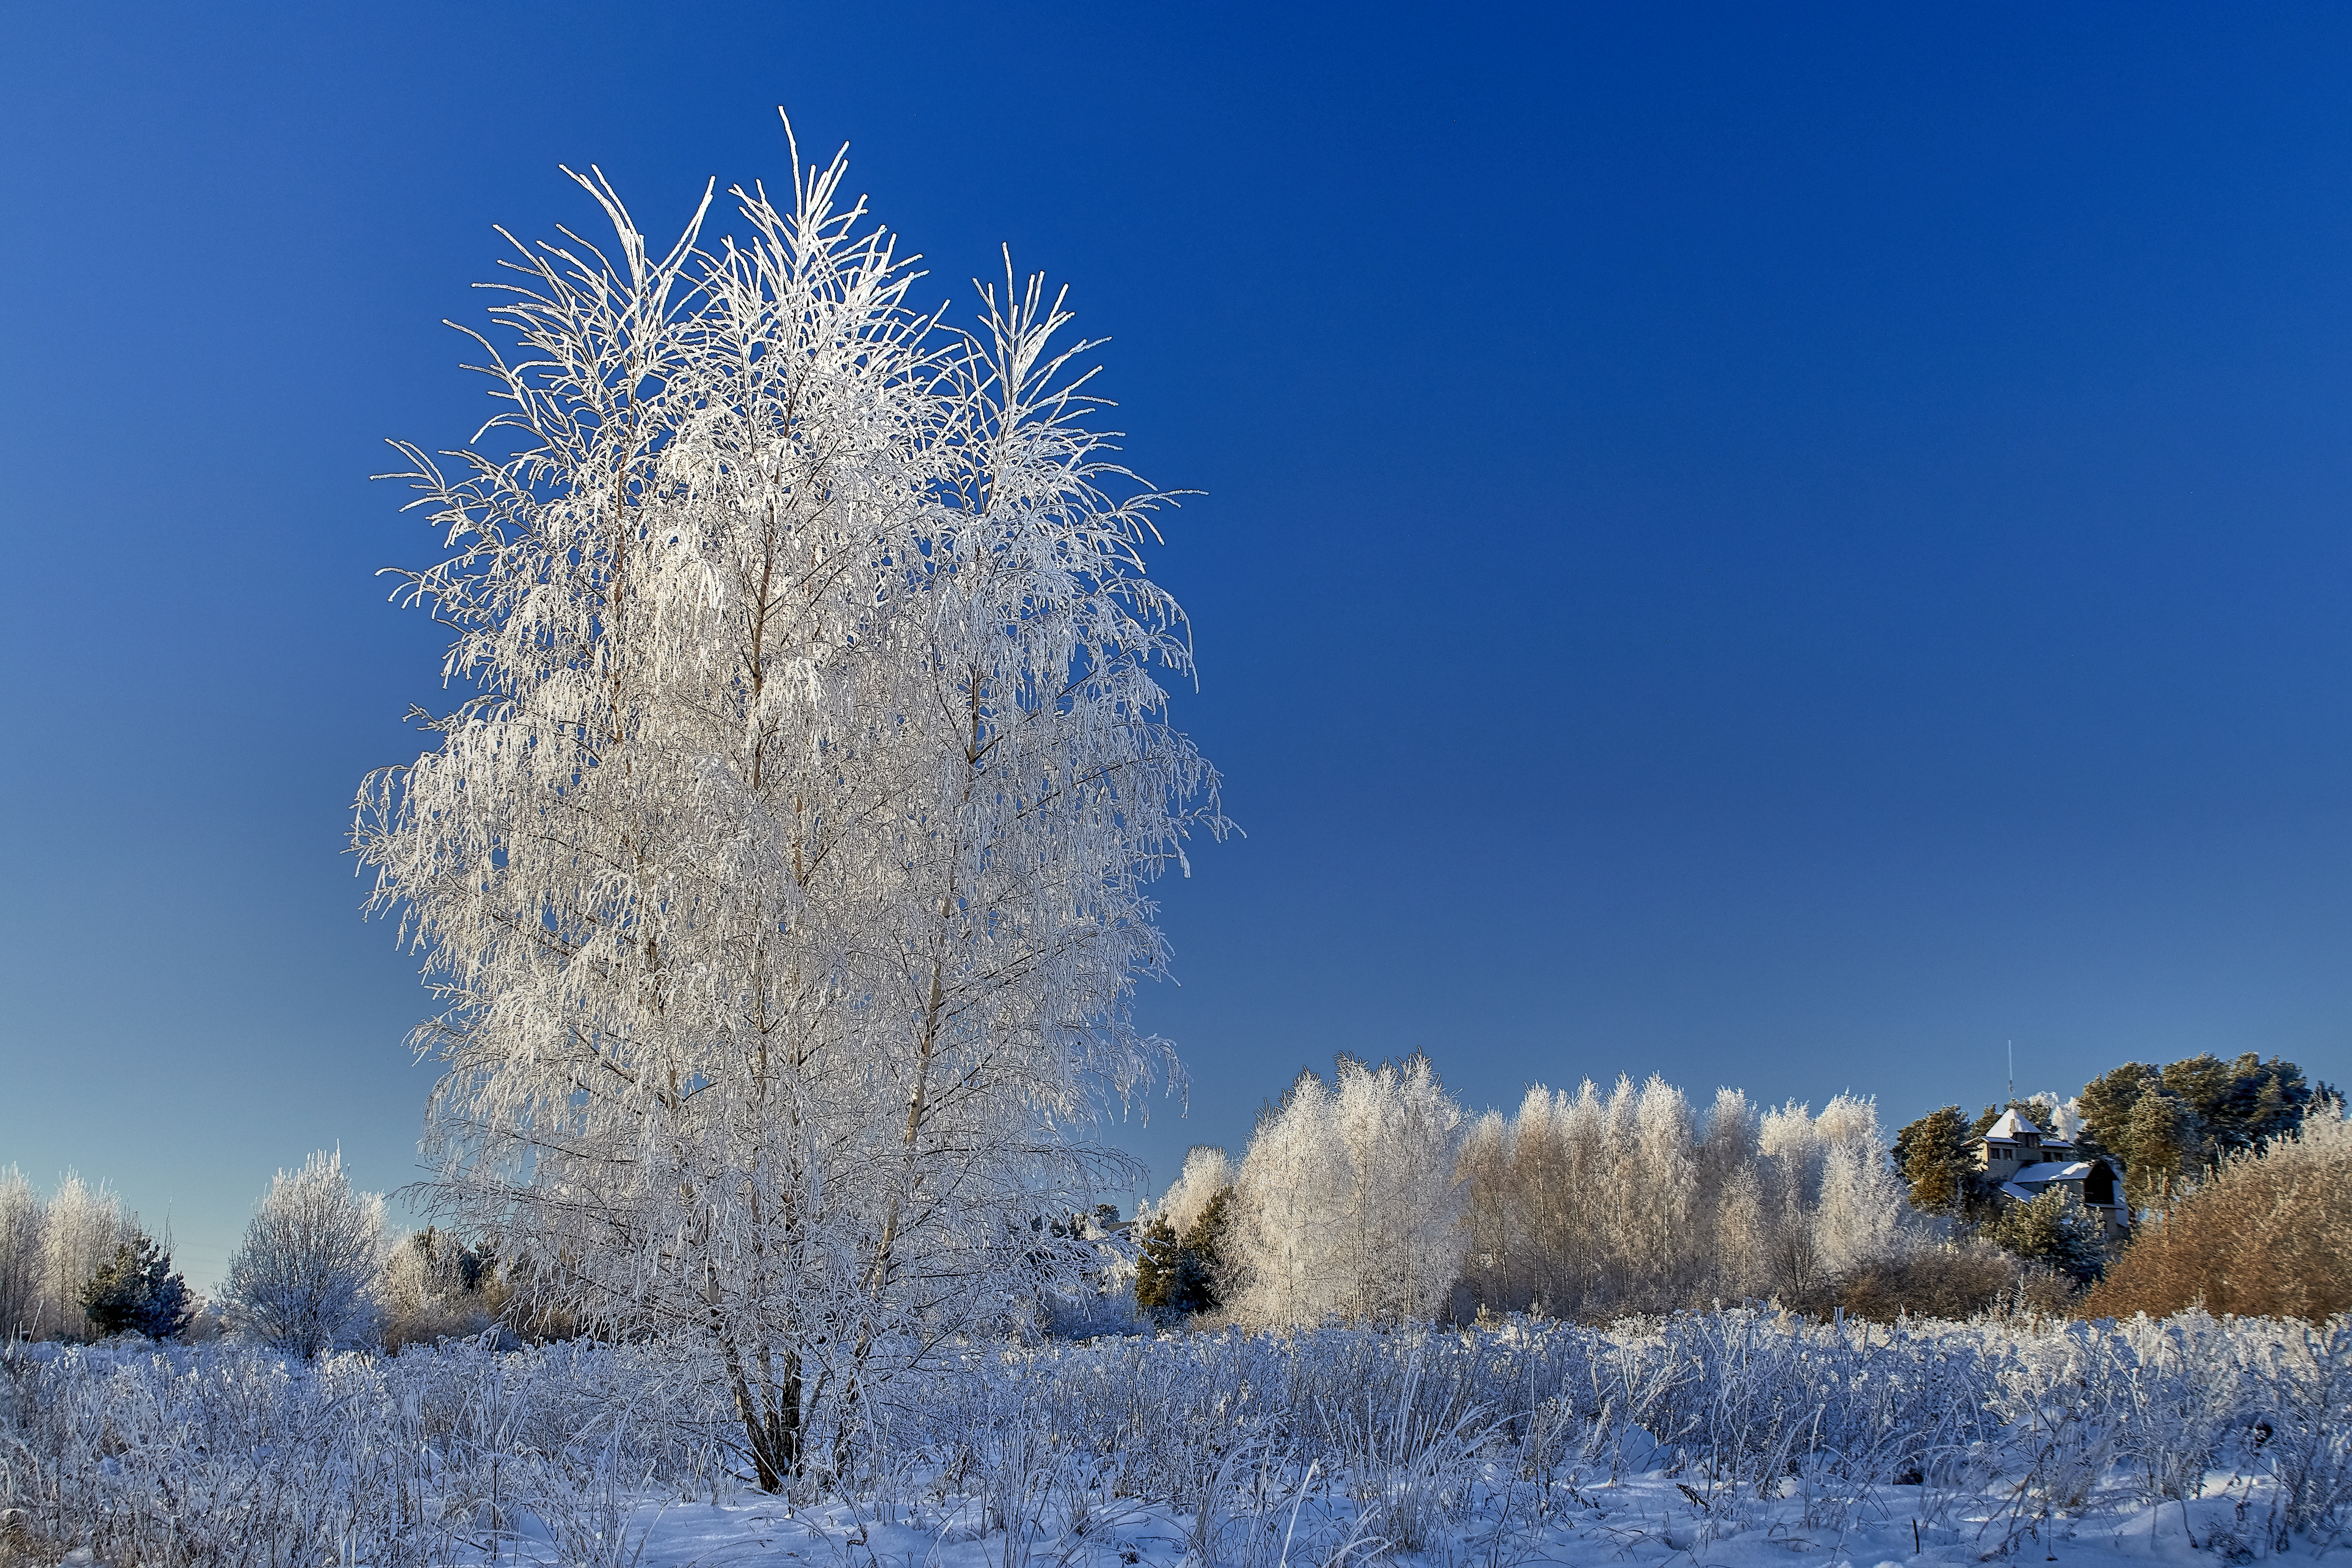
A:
2022,1162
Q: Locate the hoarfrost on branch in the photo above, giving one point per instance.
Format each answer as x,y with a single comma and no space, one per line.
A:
785,877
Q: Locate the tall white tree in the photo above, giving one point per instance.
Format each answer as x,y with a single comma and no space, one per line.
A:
1744,1233
1863,1200
303,1278
1791,1155
1723,1156
786,879
1289,1196
1484,1166
83,1225
1400,1233
1664,1195
24,1220
1350,1205
1621,1187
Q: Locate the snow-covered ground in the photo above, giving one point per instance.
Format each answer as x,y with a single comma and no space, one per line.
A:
1712,1439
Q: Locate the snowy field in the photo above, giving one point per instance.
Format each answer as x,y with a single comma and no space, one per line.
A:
1729,1438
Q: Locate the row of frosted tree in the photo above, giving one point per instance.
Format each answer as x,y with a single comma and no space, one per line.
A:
1636,1201
1370,1196
51,1248
315,1270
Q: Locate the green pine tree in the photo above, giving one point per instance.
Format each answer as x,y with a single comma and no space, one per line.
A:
2211,1108
2163,1148
1201,1263
2106,1104
2053,1229
1932,1154
137,1293
1157,1267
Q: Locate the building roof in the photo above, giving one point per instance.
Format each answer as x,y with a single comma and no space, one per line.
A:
2034,1180
2054,1170
2010,1129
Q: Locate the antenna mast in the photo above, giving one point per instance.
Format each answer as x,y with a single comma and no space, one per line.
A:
2012,1074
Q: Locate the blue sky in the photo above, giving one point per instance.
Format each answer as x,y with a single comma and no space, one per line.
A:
1781,547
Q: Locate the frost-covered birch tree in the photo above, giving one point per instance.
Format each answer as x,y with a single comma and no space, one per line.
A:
1862,1199
1286,1201
785,875
1588,1204
81,1228
24,1220
1207,1171
1397,1232
1792,1153
1348,1204
1663,1196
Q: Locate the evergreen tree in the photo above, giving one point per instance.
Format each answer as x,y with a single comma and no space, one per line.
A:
2240,1104
1177,1277
1206,1240
1932,1154
2161,1146
2053,1229
1157,1267
1189,1288
1198,1284
2212,1109
137,1294
2107,1101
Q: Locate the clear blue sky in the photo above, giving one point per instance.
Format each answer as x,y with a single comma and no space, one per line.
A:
1780,546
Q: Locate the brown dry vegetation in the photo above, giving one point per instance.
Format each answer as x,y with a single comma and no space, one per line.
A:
2268,1235
1956,1282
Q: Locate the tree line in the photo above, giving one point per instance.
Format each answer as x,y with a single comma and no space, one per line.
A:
1370,1196
75,1264
315,1270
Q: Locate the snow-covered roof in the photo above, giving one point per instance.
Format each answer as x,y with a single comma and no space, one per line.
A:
2010,1128
2034,1180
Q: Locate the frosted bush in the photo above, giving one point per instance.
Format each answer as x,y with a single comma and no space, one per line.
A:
304,1277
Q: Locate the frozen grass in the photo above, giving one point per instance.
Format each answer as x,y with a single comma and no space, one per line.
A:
1729,1437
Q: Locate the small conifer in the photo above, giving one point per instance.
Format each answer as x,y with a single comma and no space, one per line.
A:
137,1294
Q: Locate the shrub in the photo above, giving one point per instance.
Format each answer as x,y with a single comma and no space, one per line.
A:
1956,1281
303,1280
2270,1234
435,1287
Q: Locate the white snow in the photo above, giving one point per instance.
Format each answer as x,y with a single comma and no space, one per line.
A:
1725,1438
